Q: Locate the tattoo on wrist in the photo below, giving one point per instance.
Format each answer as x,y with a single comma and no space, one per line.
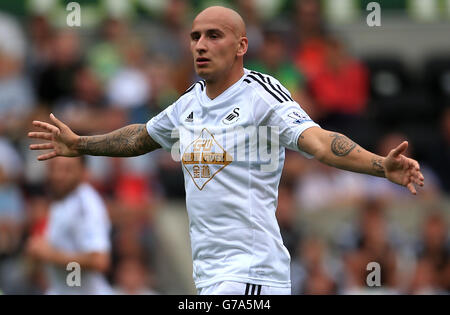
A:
377,166
131,140
341,145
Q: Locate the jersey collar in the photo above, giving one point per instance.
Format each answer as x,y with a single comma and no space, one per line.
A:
205,100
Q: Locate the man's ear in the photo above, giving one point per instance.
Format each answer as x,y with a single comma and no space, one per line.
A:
243,46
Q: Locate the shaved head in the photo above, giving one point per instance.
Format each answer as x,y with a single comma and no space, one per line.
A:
225,17
218,45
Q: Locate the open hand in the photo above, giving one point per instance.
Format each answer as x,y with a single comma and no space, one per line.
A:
62,140
402,170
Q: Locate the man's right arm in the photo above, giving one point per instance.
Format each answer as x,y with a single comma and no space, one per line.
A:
128,141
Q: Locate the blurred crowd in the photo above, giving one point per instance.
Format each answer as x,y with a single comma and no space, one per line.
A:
128,69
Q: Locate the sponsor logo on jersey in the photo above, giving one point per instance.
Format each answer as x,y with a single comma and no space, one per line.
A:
190,117
299,118
204,158
231,117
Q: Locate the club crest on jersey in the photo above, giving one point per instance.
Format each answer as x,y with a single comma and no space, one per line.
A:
299,118
232,117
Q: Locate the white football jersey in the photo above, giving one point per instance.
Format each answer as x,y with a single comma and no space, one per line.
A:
232,154
79,223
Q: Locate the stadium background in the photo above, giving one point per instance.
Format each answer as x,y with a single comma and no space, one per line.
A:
130,59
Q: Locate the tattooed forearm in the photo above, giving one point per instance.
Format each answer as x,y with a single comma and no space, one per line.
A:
131,140
341,145
377,166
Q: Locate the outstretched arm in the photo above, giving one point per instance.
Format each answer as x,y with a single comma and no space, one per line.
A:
128,141
339,151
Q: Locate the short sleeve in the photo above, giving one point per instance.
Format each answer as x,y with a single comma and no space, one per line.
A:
92,233
291,120
163,128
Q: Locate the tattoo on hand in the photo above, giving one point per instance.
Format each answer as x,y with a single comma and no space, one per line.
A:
341,145
131,140
377,165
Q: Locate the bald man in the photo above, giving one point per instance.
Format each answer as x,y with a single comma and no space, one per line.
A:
222,125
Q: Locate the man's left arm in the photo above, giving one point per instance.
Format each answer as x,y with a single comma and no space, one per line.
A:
337,150
40,249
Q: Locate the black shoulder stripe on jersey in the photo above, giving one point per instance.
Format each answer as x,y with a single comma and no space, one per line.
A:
273,87
279,87
248,81
189,89
202,84
265,88
278,90
259,75
193,85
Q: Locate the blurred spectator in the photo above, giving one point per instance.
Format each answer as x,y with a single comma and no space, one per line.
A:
81,109
12,219
161,74
133,209
40,45
16,95
247,9
340,85
313,270
12,207
295,166
272,60
439,161
337,188
337,82
105,57
309,36
173,26
308,24
133,278
373,244
56,81
77,231
432,273
424,279
128,88
170,176
285,213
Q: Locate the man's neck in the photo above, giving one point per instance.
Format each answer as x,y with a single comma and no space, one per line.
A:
216,87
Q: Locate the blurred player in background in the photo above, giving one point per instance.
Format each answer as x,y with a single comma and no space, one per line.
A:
236,243
77,231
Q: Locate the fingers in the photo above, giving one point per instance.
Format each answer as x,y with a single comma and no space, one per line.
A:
40,135
42,146
415,171
418,178
400,149
45,126
411,188
56,121
414,179
47,156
